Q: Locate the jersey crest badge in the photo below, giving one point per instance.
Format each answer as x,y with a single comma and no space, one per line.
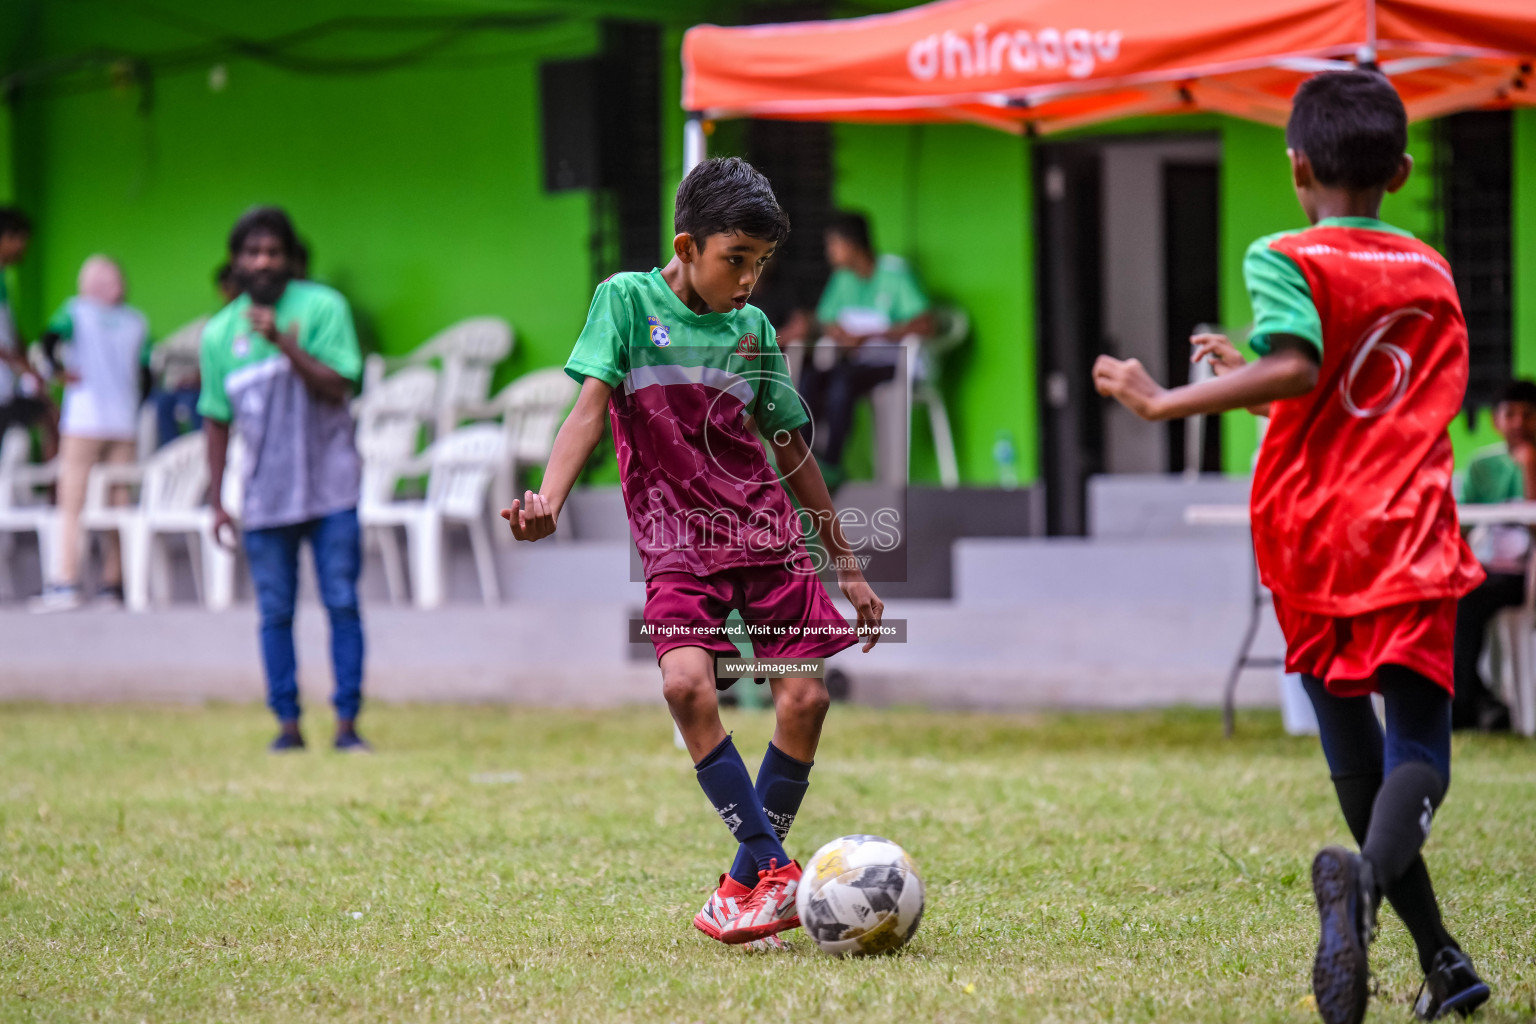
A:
660,336
747,347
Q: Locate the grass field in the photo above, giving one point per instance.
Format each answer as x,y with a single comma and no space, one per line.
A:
493,864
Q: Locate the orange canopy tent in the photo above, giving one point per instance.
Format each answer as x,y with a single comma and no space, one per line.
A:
1050,65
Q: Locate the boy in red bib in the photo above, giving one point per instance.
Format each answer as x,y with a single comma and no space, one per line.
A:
1363,366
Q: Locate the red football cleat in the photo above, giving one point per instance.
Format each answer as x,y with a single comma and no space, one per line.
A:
770,908
725,903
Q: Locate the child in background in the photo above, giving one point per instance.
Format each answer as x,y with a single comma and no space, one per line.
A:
1502,472
1363,366
24,398
171,372
95,338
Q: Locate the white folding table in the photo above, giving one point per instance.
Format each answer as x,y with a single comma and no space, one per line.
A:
1511,513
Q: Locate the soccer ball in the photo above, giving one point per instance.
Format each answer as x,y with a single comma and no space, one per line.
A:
858,895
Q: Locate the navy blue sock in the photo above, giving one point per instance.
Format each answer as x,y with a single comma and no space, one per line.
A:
781,784
724,779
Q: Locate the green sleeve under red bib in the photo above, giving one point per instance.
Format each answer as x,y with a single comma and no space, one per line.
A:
1280,296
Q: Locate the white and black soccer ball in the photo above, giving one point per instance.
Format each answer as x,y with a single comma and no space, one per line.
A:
859,895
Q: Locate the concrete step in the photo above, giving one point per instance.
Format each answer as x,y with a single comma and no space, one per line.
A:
1200,572
1069,654
534,652
1151,505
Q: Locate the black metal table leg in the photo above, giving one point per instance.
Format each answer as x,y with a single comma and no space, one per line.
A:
1245,657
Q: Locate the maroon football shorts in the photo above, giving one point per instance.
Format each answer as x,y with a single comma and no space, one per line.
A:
795,616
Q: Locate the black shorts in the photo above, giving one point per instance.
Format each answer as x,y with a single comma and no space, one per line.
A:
22,412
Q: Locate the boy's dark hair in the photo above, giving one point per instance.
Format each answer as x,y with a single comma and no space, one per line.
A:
728,194
1352,127
265,220
1519,391
853,227
14,222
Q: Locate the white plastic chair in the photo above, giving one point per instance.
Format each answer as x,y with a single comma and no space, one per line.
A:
468,353
532,409
173,486
461,467
20,509
920,386
954,327
1514,629
389,419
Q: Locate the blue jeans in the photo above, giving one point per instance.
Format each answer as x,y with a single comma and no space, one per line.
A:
274,556
1418,725
172,409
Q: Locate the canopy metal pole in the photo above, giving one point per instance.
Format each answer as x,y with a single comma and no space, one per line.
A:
695,152
1366,58
695,144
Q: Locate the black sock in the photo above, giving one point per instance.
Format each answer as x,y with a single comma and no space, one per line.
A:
1400,819
1357,795
1412,895
781,784
724,779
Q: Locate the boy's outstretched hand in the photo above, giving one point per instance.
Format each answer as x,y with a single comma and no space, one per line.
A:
1218,351
869,607
531,517
1129,383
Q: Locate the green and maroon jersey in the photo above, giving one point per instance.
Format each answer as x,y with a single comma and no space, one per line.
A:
1352,503
698,488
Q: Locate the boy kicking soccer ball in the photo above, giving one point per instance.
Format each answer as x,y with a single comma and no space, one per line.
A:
1363,366
689,374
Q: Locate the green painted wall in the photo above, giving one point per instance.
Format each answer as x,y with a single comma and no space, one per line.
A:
420,190
955,200
1256,200
1523,241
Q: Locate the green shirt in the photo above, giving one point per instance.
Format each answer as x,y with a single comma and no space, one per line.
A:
1279,293
1493,477
699,492
637,322
301,461
891,293
1490,478
229,345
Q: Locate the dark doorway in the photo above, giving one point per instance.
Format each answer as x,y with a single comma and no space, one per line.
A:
796,157
1474,194
1192,286
1070,328
1127,264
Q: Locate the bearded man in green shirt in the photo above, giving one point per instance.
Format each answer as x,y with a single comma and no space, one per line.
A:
870,304
279,364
